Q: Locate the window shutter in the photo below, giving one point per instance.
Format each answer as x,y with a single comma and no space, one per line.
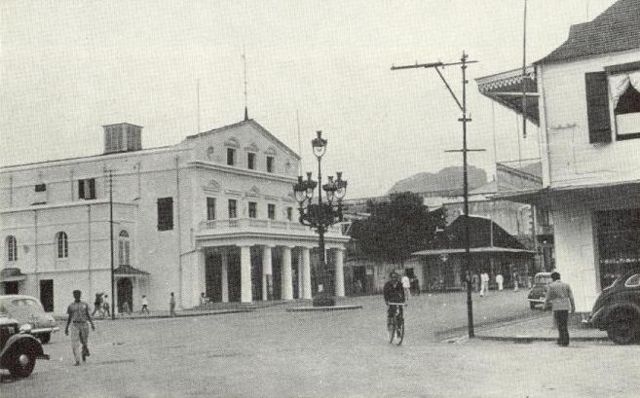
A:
81,189
598,107
92,188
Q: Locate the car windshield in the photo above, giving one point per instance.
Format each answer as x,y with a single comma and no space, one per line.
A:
27,303
542,279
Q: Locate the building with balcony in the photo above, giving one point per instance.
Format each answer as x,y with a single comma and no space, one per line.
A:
585,97
213,214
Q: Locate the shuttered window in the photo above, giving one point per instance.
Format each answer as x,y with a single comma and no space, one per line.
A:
165,214
87,188
598,107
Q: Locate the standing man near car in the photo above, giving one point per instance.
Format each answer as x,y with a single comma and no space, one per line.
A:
560,297
78,317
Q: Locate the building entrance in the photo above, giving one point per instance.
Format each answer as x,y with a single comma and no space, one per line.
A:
125,293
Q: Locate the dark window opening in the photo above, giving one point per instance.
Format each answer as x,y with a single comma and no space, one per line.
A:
271,211
231,156
270,164
87,188
289,213
253,210
41,187
211,208
233,208
251,161
165,214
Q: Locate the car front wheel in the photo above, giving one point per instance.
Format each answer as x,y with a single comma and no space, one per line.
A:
45,338
21,363
623,327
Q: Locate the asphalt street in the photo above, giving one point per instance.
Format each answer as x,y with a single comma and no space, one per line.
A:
274,353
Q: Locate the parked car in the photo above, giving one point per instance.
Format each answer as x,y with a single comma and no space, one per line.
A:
18,350
30,315
617,309
539,289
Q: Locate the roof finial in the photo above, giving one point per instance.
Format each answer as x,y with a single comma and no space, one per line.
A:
244,61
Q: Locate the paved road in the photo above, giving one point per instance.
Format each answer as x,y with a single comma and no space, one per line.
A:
273,353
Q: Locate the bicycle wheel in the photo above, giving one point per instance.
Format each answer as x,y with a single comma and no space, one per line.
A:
399,331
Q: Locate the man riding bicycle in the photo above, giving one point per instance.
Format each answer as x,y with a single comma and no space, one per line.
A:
393,293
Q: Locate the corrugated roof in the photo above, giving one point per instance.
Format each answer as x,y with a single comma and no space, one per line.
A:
616,29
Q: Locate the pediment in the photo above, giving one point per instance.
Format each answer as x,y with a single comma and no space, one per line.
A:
252,147
211,186
232,142
271,151
253,192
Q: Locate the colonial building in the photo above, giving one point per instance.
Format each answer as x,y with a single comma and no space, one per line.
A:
214,214
585,97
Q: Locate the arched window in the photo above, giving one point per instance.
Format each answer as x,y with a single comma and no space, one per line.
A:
12,248
62,245
123,248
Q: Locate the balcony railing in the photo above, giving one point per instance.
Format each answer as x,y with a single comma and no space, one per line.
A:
258,225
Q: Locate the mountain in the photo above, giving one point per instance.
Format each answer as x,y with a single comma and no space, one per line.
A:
447,180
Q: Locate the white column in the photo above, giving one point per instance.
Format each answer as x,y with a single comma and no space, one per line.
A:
245,274
224,274
287,284
200,283
306,273
339,259
266,270
299,274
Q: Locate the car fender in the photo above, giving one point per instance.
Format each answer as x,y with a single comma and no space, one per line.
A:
613,308
21,340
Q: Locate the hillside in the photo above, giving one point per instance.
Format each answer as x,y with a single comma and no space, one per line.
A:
448,180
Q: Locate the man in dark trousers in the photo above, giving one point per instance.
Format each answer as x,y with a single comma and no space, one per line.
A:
393,293
78,317
560,297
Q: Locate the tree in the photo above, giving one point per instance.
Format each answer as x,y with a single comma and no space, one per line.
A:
396,228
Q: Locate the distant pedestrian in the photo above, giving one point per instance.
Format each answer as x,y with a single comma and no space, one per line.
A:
126,308
106,309
98,305
172,305
516,281
406,285
145,305
500,281
560,298
78,312
203,299
415,286
484,284
475,282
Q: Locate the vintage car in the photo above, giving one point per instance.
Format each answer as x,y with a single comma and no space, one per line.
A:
18,350
29,313
617,309
539,289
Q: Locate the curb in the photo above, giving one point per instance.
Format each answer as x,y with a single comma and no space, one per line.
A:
182,315
529,339
328,308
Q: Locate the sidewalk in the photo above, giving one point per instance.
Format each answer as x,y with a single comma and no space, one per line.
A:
165,314
540,328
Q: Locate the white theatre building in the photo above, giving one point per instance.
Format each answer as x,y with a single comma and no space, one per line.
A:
585,97
214,214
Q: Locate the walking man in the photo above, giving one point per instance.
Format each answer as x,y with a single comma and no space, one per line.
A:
172,305
560,297
406,285
145,305
78,312
105,307
484,283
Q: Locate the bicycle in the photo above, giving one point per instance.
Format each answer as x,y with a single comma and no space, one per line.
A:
396,329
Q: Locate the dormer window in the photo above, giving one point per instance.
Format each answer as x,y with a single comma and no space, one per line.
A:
251,161
231,157
270,162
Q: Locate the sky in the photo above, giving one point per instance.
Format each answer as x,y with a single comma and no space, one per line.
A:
69,67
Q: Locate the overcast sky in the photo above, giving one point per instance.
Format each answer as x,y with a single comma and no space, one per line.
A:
69,67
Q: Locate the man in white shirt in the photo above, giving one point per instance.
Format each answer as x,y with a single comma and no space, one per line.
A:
484,283
406,285
500,281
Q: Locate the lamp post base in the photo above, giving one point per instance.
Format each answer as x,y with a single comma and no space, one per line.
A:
324,299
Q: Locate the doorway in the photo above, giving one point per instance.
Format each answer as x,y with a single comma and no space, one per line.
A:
46,294
11,287
125,293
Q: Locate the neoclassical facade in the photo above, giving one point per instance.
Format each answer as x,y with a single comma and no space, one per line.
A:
214,214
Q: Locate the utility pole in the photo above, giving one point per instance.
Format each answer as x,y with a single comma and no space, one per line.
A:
113,307
465,185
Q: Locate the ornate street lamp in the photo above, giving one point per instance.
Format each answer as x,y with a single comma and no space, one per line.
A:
321,215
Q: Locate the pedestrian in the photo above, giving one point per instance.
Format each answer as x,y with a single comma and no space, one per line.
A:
484,284
560,298
475,282
145,305
172,305
516,281
415,284
98,305
105,307
78,312
500,281
203,299
406,285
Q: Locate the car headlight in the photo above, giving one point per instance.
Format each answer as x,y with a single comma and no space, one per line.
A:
26,328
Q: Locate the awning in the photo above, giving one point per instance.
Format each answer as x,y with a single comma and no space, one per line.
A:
127,271
11,275
506,89
588,192
487,249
